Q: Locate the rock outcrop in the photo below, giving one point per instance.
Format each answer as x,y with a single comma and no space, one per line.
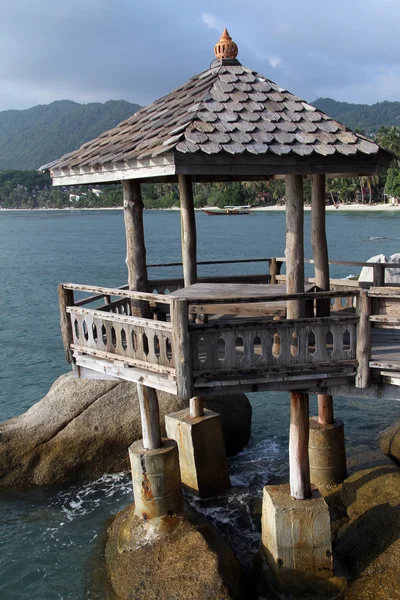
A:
82,429
392,275
175,557
368,547
390,442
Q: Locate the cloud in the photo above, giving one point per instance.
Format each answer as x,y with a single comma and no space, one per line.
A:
87,50
210,20
274,61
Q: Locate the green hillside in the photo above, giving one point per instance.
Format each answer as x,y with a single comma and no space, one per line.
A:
368,117
32,137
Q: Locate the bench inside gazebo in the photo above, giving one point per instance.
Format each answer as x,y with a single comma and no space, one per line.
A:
202,336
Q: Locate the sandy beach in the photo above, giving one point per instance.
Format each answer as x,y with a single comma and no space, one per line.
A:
275,208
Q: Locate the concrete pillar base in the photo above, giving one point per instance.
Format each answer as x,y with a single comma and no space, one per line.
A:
202,457
296,540
327,453
156,480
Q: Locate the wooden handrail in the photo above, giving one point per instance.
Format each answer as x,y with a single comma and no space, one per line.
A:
280,259
123,293
274,298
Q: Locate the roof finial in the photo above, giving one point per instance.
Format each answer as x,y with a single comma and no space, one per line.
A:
225,48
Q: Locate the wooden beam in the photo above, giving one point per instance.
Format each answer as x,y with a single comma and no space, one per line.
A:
138,281
294,244
319,241
299,465
135,244
321,269
188,230
196,407
66,299
325,409
181,348
364,341
300,485
150,417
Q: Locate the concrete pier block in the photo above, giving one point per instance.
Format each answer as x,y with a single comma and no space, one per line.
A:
202,457
296,540
156,480
327,453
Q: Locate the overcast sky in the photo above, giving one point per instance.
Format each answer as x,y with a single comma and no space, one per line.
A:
96,50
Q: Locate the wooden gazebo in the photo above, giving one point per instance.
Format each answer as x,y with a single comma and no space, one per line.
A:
226,124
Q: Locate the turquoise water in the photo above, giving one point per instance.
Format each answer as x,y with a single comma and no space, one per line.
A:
47,536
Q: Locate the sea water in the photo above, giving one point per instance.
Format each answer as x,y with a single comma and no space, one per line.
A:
50,537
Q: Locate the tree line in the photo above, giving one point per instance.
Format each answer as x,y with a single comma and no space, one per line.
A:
30,190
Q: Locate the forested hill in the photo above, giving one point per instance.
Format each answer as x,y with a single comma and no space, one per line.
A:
368,117
32,137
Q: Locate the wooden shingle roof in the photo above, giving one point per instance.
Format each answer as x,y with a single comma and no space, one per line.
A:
227,114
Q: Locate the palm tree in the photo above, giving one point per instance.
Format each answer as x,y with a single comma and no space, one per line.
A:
389,137
345,187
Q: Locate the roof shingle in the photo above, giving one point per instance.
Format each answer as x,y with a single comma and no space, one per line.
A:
226,109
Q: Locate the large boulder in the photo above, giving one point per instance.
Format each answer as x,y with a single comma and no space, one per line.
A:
392,275
82,429
179,557
366,274
390,442
368,547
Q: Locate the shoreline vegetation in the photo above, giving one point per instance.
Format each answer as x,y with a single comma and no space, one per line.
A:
254,209
32,190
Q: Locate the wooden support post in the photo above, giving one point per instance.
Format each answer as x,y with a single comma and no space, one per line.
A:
66,298
196,407
364,341
272,271
325,409
181,348
321,268
300,486
294,244
378,279
319,241
135,245
188,230
150,417
137,281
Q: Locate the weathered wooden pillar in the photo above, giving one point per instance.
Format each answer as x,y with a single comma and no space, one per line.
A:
294,244
137,281
196,407
327,451
300,487
150,417
321,267
154,461
296,536
188,230
135,245
363,378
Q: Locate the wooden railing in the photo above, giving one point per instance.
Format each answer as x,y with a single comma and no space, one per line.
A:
266,345
274,267
243,348
138,342
185,352
111,332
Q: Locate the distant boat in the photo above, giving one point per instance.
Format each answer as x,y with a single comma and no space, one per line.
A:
228,210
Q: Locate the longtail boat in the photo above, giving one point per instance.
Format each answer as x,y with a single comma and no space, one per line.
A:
228,210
